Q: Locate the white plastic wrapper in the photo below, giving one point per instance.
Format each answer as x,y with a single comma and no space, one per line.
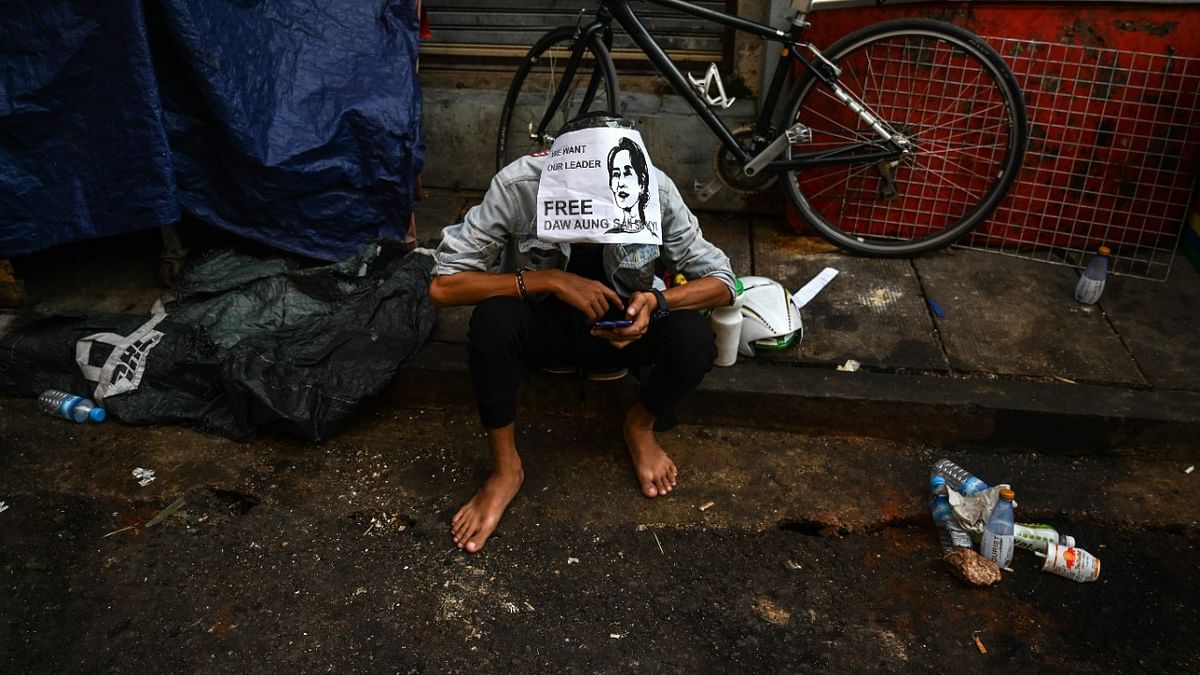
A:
973,511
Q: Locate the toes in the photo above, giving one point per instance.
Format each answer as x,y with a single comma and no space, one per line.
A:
462,528
649,490
664,485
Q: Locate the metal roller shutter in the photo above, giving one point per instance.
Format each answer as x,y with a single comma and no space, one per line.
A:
470,32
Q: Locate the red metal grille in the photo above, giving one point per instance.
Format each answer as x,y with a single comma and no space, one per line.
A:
1113,157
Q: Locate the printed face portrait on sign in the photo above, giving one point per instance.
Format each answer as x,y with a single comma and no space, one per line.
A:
598,186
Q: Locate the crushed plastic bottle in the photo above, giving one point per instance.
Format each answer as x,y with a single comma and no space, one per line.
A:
70,406
1073,563
1035,536
951,534
997,542
1091,282
958,478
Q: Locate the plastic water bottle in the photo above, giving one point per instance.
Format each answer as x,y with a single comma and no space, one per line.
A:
997,542
1091,282
951,534
958,478
727,325
1035,536
70,406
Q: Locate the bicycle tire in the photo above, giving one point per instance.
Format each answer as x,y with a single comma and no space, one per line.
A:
533,87
948,92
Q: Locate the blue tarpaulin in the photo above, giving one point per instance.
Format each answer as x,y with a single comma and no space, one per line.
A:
293,123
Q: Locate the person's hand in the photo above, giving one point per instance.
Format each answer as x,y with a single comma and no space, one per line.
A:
641,307
590,297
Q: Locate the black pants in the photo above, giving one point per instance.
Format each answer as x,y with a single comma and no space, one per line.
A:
506,334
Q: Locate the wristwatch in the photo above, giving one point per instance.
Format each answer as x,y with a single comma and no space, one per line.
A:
663,308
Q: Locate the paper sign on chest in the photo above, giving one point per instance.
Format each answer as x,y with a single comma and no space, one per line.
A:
598,186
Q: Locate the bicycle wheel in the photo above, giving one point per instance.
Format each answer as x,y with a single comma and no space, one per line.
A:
593,87
946,91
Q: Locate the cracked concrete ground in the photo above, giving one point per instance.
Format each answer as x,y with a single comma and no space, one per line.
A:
815,555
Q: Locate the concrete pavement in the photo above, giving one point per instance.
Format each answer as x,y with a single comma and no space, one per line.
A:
1013,357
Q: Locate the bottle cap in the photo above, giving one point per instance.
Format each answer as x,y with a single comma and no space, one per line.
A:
1008,494
97,415
1104,250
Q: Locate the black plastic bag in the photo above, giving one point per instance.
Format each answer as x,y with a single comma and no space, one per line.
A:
254,345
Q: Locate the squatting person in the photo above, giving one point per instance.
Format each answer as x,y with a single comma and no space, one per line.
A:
537,298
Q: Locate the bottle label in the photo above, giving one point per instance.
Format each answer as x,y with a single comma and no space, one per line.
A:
1070,562
973,485
67,407
1088,290
1034,536
997,548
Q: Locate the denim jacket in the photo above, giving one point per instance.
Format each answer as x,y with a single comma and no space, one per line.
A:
499,235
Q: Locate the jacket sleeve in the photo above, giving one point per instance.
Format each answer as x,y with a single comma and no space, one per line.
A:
685,250
478,243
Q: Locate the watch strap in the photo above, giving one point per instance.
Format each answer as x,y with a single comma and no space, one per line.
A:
663,308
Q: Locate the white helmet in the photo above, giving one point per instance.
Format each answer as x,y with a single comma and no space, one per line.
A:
769,318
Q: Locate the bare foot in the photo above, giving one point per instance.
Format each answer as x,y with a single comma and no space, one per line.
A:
478,518
655,471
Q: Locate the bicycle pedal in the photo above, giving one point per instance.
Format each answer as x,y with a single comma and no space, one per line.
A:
704,86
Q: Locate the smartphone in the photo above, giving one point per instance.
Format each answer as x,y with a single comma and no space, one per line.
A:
613,323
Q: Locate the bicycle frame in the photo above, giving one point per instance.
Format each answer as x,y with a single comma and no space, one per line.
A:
888,147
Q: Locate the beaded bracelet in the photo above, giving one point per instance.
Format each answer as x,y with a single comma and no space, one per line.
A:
521,285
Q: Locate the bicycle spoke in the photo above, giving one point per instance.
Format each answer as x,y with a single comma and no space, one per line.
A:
933,85
527,125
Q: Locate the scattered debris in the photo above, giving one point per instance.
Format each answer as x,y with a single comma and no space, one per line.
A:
791,564
1187,470
978,643
127,527
510,608
1073,563
1068,380
144,477
770,612
809,291
660,548
706,506
3,507
937,309
572,561
968,565
617,636
166,513
527,606
850,366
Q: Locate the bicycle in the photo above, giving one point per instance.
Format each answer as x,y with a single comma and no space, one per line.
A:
897,140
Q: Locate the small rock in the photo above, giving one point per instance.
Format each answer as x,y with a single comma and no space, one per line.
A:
968,565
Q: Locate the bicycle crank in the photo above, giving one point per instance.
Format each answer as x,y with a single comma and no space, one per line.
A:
793,135
729,169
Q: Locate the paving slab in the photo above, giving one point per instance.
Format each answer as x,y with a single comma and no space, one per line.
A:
1009,316
1157,322
872,312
